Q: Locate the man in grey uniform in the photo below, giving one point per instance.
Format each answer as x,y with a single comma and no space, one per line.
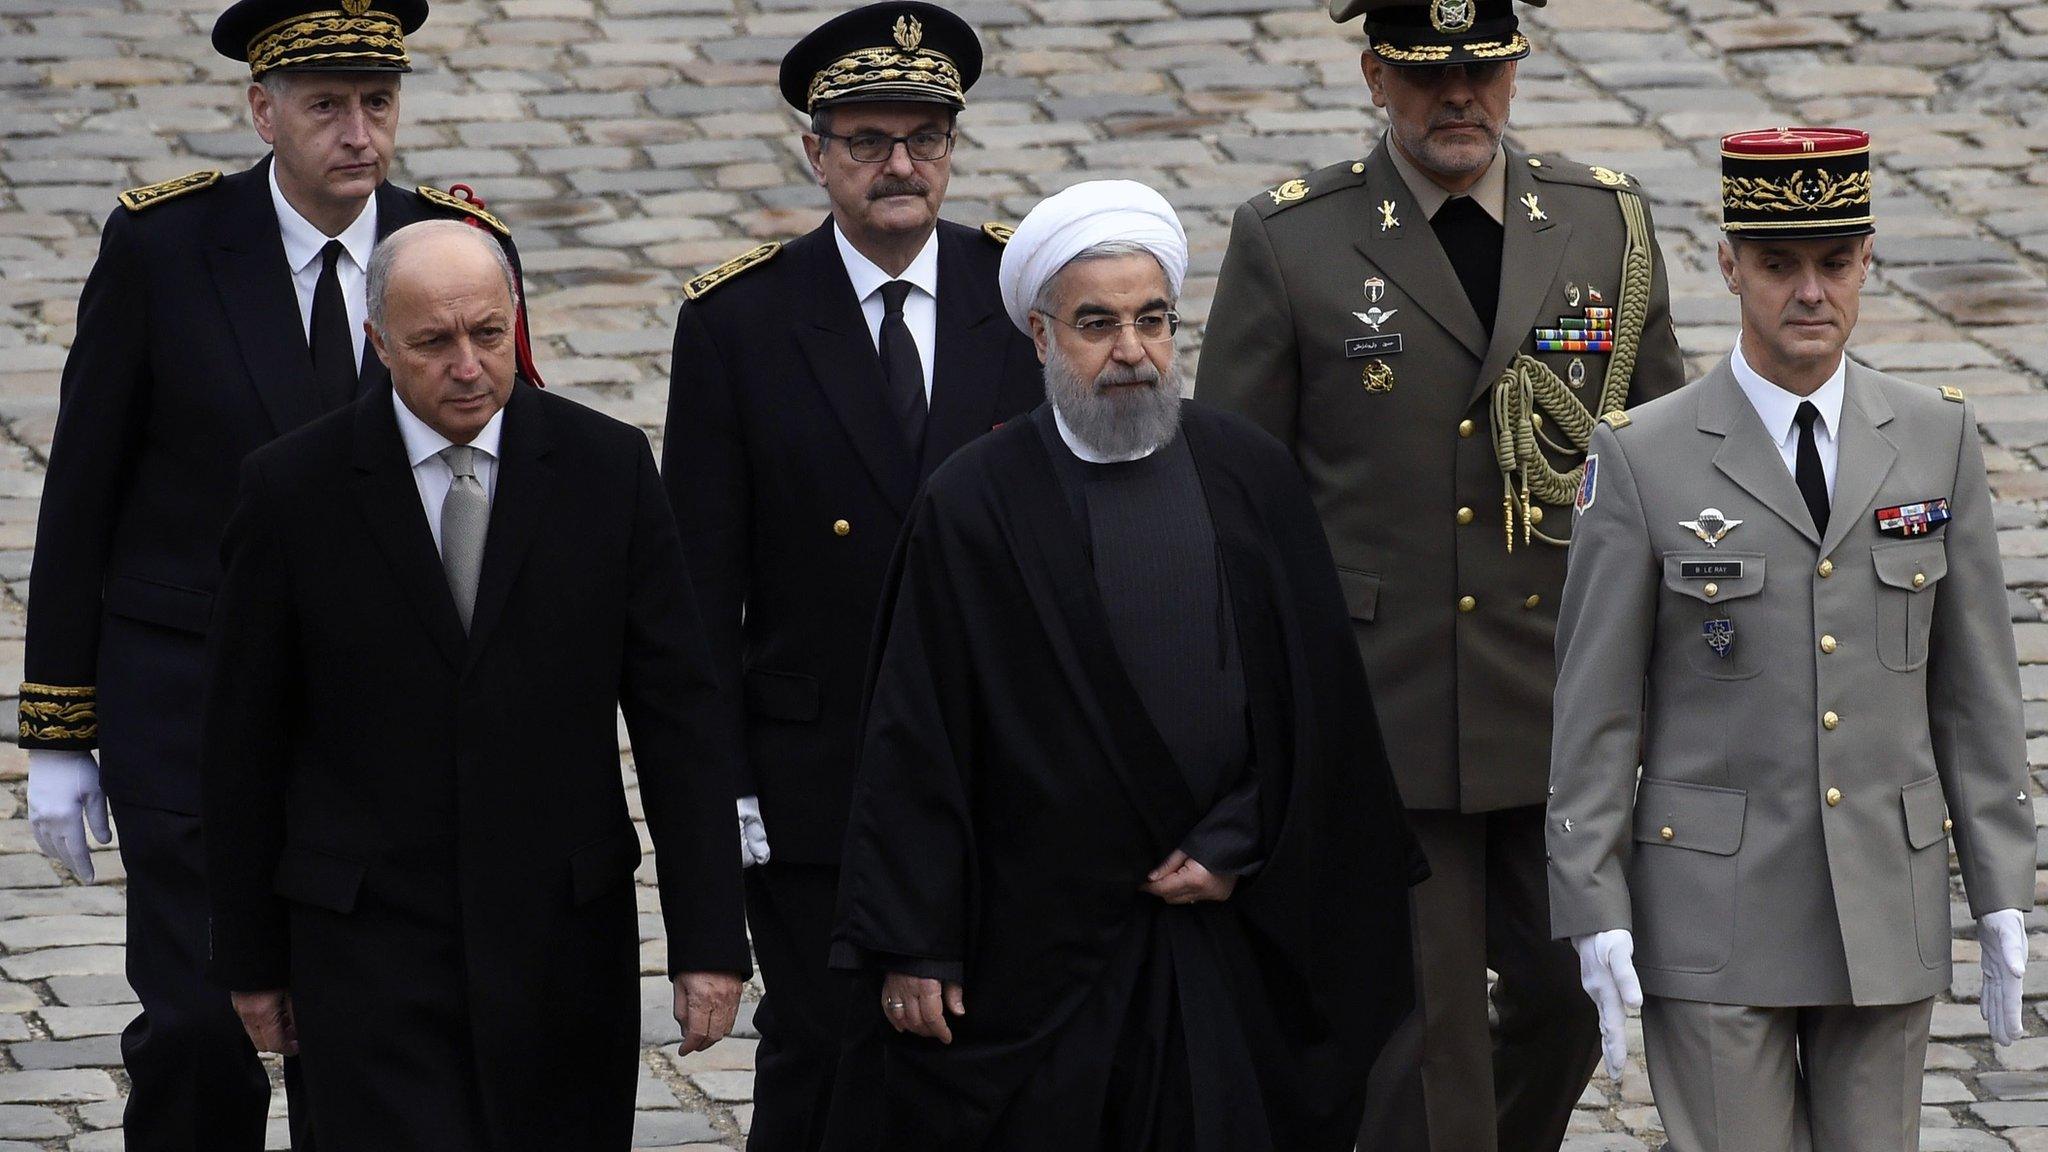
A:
1785,604
1433,330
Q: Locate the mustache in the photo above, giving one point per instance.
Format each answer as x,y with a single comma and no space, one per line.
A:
1119,374
887,186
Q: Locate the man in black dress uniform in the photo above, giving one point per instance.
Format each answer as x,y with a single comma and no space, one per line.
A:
223,311
815,385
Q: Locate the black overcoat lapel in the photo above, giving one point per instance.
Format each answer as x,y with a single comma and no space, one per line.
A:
973,339
526,487
834,337
245,254
390,503
1061,582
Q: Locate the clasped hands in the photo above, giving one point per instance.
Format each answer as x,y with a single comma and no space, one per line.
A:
919,1005
1607,972
705,1004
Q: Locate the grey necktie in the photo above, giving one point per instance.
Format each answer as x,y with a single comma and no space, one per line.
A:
465,518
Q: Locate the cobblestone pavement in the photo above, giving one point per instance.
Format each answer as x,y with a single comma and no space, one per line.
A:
631,142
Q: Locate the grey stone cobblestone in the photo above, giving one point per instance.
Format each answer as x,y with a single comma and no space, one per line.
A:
632,142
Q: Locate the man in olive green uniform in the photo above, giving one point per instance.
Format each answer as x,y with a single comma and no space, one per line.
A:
1434,330
1786,605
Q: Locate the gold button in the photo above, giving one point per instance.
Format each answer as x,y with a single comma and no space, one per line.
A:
1830,721
1834,797
1356,169
1465,429
1712,590
1666,832
1536,419
1535,163
1467,604
1827,569
1464,515
841,528
1919,579
1532,602
1948,825
1827,645
1535,515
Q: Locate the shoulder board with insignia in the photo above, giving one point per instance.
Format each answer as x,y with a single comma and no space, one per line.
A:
1617,419
1951,393
1296,191
1000,233
433,195
1586,176
701,287
150,195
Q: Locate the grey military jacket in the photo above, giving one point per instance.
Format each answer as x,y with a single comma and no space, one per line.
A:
1810,712
1340,327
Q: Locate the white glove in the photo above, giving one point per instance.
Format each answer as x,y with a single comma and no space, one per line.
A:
1607,971
64,798
2002,948
753,833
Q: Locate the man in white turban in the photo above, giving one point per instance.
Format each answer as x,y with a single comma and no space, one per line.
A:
1126,869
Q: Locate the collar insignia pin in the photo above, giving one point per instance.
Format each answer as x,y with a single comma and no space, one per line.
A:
1387,221
1535,209
1711,526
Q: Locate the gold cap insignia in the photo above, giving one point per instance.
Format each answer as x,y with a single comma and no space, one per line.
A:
355,7
1451,17
909,33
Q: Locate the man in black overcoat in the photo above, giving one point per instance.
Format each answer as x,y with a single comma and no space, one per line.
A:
422,856
223,311
815,384
1126,870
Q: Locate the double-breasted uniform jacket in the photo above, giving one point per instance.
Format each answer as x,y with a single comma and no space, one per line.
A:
419,831
791,480
1341,328
190,353
1811,711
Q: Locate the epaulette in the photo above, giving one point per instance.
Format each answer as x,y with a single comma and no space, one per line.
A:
1000,233
1951,393
1349,174
701,287
433,195
150,195
1586,176
1616,420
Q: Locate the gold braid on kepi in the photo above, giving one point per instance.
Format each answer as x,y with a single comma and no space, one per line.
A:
319,35
1519,437
899,51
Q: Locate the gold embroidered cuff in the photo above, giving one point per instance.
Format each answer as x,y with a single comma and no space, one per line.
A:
59,716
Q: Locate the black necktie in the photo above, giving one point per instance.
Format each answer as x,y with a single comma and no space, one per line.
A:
1813,482
334,349
901,366
1472,240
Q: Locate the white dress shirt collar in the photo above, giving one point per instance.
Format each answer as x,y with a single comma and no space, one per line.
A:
1779,408
303,241
1089,455
868,277
422,443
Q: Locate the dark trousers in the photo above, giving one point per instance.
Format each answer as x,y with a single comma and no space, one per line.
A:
1485,905
802,1014
195,1083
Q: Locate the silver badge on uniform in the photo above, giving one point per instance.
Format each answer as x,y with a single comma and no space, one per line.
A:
1719,635
1711,526
1375,290
1375,317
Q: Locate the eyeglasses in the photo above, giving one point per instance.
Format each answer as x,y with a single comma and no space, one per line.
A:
876,147
1152,327
1479,72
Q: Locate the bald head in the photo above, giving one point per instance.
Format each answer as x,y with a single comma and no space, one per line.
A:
432,244
442,318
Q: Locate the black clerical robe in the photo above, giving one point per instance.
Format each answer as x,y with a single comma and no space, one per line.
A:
1014,790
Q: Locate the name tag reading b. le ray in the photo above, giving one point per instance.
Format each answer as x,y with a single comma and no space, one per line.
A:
1359,347
1710,569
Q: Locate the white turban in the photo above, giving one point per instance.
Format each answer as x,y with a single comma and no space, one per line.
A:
1068,224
